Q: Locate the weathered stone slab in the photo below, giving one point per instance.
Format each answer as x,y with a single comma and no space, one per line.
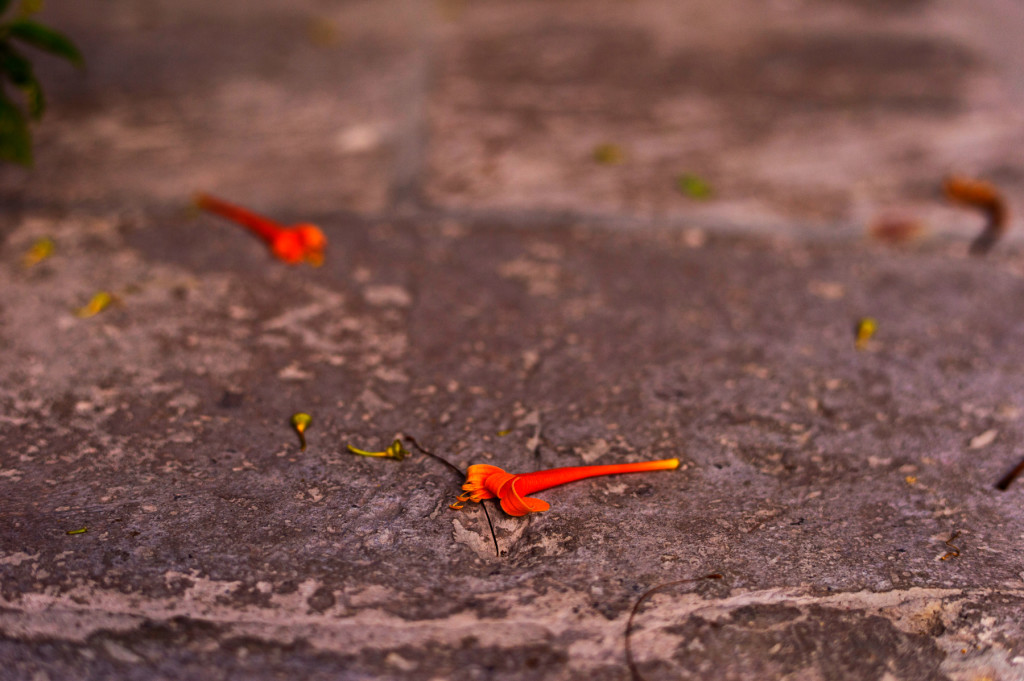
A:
234,99
161,522
822,482
798,114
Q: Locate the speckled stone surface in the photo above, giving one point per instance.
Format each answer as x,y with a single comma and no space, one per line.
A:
809,115
846,497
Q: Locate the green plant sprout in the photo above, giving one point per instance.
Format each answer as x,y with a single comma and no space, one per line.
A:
16,70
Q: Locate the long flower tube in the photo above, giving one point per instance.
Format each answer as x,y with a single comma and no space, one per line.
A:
292,244
484,481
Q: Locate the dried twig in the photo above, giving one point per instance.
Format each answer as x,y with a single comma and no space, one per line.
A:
630,662
1007,480
955,553
462,476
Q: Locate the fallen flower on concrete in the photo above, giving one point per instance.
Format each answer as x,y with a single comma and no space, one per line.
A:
300,422
293,244
98,303
40,251
988,199
395,451
484,481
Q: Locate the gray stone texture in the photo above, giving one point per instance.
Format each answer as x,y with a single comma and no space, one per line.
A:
494,292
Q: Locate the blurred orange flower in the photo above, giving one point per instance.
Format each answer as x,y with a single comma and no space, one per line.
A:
294,244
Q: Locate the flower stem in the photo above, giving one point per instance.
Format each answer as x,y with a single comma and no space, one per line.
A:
395,451
300,422
363,452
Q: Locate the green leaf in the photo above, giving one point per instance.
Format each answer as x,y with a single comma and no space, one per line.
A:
46,39
19,71
693,186
15,138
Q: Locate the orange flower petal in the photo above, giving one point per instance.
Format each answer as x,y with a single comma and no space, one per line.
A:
515,504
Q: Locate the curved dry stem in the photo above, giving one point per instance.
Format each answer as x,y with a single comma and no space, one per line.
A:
630,662
462,476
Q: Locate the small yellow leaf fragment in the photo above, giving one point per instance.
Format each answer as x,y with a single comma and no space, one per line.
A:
81,530
40,251
608,154
451,10
300,421
910,479
323,32
866,328
503,433
395,451
98,303
693,186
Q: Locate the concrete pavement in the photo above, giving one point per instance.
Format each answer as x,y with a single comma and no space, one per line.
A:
494,291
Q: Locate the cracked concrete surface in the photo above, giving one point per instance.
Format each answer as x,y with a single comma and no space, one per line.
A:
492,291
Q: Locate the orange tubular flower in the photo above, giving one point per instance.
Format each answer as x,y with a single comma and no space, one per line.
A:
484,481
292,244
985,197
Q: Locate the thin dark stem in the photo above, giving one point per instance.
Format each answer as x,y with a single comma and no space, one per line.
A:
462,476
630,662
1008,479
458,471
494,536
